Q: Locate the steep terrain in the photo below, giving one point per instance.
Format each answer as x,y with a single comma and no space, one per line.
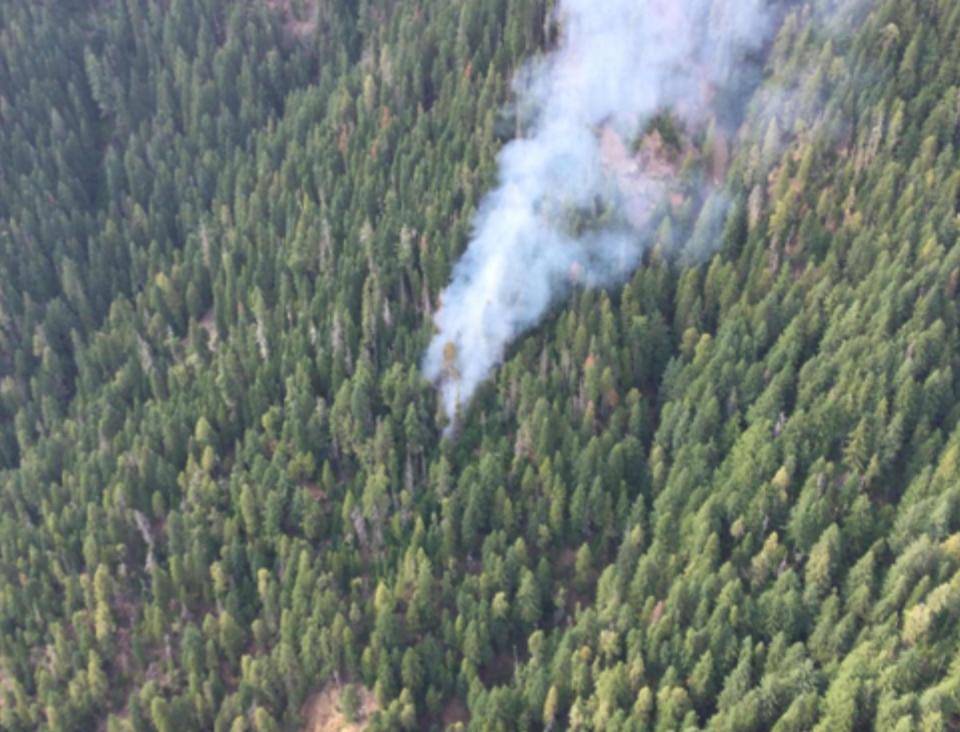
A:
722,496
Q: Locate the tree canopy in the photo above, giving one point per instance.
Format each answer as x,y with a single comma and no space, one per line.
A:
725,495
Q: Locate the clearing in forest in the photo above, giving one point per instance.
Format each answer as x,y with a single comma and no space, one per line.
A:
323,711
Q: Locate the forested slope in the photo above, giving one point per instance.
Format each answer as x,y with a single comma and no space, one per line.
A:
722,496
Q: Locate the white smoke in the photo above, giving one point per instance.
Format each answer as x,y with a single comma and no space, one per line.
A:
618,64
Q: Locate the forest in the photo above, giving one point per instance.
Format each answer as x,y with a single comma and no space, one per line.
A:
722,495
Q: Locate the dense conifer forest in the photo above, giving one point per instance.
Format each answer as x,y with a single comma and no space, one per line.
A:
724,495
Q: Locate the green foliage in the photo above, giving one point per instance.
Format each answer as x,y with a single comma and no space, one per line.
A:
718,497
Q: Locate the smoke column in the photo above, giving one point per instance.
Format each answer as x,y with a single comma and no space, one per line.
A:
618,64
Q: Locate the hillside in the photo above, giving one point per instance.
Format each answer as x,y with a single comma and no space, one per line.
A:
724,494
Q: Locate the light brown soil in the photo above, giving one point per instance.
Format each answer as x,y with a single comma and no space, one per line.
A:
642,177
322,711
297,28
454,712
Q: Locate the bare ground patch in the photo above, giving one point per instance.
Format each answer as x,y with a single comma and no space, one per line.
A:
455,712
299,24
323,710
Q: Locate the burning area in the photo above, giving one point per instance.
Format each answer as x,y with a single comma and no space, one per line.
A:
619,109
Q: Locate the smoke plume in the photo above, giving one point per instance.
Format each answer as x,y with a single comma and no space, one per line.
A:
574,194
